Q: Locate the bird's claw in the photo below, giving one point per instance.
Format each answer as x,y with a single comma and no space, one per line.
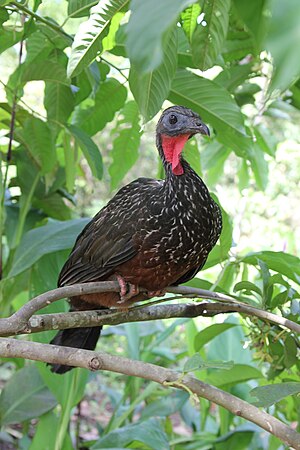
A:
127,290
160,293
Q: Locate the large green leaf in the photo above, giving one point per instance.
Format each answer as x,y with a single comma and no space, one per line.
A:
8,38
230,78
288,265
24,397
237,374
259,167
189,19
46,71
192,155
151,89
37,137
210,34
220,251
148,432
165,405
80,8
59,103
43,240
88,40
254,16
109,99
148,23
216,106
210,332
89,149
283,43
38,47
126,143
273,393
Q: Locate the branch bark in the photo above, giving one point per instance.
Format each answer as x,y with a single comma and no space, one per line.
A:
102,361
23,322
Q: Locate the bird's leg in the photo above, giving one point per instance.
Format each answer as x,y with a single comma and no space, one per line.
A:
160,293
127,290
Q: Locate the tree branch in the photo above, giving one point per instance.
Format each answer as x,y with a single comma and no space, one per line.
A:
23,322
103,361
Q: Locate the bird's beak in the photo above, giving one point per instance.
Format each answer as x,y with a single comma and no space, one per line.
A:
203,129
199,128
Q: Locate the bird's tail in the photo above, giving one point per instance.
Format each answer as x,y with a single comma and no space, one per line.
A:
85,338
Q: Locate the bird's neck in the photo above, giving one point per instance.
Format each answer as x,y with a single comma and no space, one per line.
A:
170,152
186,181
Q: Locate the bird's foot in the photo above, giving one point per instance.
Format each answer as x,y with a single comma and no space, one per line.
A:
160,293
127,290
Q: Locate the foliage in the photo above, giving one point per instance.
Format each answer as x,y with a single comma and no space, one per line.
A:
236,64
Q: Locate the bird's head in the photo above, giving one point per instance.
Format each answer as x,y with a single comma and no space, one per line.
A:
175,126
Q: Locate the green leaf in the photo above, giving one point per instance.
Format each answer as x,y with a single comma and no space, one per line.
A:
165,405
59,102
148,432
213,158
259,167
49,71
282,41
38,47
151,89
126,143
70,161
80,8
232,77
88,40
220,251
109,99
37,137
209,333
229,345
24,397
210,34
216,106
43,240
89,149
197,363
273,393
288,265
148,23
290,352
237,46
238,374
248,287
9,38
192,155
189,19
254,16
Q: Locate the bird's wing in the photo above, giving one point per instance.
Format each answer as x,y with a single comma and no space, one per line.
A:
109,239
190,274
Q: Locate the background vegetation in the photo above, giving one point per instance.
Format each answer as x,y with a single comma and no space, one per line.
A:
81,84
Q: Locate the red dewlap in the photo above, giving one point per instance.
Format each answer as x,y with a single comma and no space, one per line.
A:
172,147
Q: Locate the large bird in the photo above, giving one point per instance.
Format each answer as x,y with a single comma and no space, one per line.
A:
152,234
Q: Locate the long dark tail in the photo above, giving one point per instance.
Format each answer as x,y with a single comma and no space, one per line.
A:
85,338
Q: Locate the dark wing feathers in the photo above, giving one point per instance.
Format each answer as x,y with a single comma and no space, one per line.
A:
108,240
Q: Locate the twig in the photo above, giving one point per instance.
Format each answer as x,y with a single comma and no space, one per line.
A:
41,19
102,361
23,322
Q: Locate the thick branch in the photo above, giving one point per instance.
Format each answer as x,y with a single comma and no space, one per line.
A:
102,361
23,322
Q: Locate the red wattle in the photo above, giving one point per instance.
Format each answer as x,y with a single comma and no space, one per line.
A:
172,147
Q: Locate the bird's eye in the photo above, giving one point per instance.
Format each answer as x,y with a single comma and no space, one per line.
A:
172,119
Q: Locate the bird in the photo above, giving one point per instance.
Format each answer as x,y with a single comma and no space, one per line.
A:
152,234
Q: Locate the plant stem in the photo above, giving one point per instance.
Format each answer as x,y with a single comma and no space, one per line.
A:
66,412
24,211
41,19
